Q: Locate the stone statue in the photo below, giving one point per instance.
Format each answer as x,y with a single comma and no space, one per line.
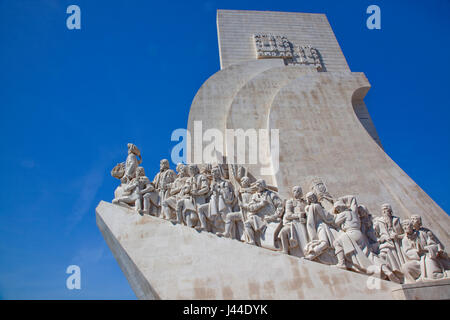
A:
234,221
351,245
421,258
169,205
388,231
367,227
132,162
264,203
221,199
424,232
163,178
221,202
293,233
194,194
320,232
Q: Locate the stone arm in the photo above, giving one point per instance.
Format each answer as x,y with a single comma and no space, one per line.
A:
204,188
327,217
289,214
381,238
340,218
256,204
186,188
166,178
277,202
148,187
397,228
131,186
156,179
175,188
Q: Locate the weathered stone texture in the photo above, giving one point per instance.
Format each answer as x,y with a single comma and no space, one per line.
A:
235,29
178,262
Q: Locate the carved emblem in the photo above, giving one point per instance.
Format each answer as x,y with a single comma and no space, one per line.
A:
269,46
272,46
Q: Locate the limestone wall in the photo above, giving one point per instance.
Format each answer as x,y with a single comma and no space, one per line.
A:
235,29
165,261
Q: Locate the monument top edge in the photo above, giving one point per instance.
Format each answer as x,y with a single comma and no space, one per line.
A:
269,11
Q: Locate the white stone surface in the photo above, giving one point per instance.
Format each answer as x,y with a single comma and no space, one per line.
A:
166,261
326,133
235,29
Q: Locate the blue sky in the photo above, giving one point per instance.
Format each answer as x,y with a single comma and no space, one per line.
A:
71,100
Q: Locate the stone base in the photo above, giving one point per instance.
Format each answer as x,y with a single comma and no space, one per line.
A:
433,290
166,261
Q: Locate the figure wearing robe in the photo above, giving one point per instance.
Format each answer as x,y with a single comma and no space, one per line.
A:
221,202
388,231
174,192
293,233
320,232
264,203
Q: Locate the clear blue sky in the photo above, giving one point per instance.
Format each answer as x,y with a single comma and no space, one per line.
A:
71,100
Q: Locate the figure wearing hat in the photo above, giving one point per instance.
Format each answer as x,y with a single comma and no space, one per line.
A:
388,231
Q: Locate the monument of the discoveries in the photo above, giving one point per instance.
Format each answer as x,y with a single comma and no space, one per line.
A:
322,213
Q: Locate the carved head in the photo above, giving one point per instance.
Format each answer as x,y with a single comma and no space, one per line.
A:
245,182
407,226
416,221
386,210
297,192
318,186
133,149
164,165
311,197
181,169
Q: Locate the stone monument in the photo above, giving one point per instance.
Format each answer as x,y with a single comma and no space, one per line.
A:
323,213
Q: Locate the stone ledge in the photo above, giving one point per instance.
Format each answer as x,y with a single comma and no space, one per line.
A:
166,261
429,290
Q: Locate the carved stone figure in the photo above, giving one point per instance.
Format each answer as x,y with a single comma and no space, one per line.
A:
421,257
367,227
264,203
194,194
351,245
293,233
169,205
388,231
221,202
234,221
135,191
345,235
320,232
132,162
321,191
162,180
427,235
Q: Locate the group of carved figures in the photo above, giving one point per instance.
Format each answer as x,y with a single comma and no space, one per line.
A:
228,201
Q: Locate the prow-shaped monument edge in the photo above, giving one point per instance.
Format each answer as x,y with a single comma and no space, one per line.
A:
166,261
328,201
